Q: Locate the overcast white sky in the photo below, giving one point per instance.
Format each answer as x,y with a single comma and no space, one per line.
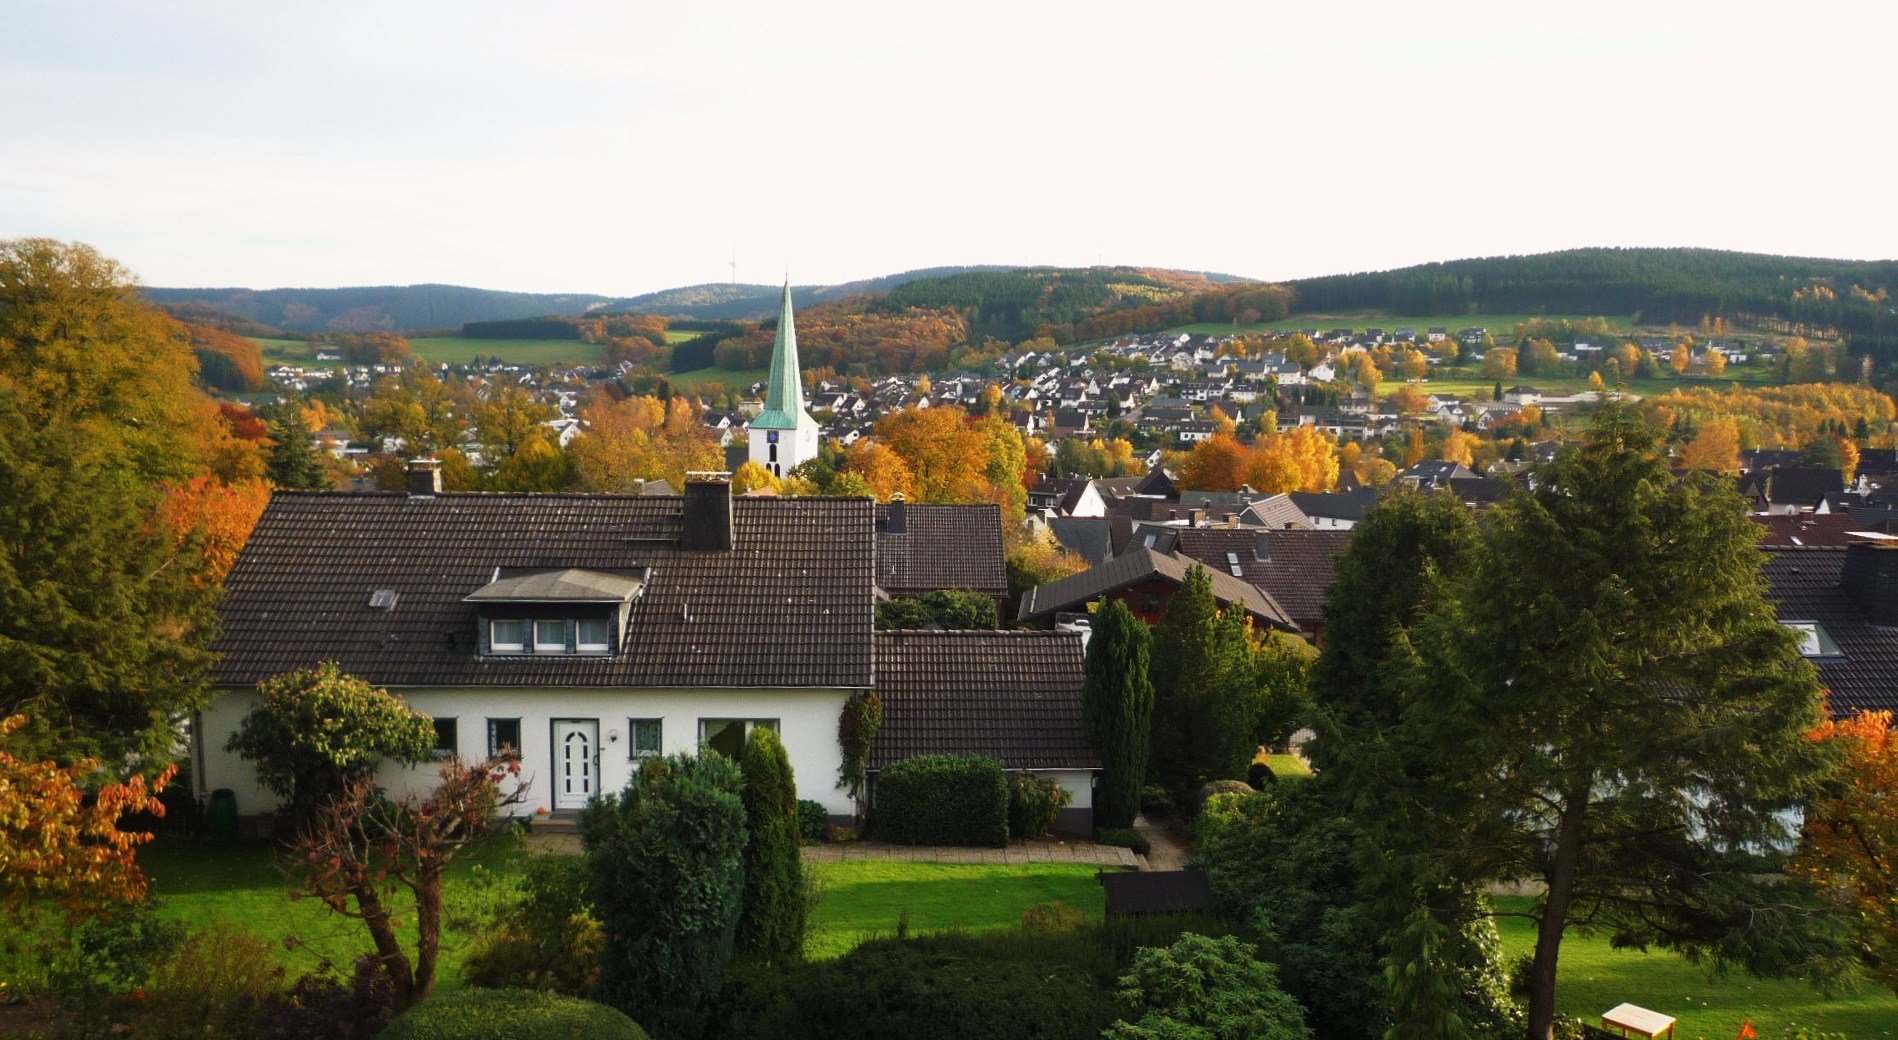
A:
625,147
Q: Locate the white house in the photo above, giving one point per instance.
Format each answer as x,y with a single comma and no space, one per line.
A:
591,632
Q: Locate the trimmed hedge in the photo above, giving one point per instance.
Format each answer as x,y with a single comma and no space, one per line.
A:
813,820
1126,838
511,1014
943,800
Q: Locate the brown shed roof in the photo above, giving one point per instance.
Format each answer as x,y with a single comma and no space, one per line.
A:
1137,565
942,547
1013,695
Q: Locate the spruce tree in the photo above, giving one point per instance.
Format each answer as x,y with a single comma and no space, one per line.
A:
1202,691
1117,711
294,464
771,927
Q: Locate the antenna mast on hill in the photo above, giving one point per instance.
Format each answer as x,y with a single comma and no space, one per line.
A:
734,265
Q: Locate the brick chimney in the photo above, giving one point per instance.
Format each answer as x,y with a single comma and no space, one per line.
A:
425,477
896,515
1870,577
708,513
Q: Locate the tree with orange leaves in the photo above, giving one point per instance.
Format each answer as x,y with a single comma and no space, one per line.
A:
946,457
1715,447
60,843
1851,841
881,468
217,515
1218,463
1459,447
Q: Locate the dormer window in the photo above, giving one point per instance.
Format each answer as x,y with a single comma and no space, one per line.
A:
507,637
550,637
539,611
593,635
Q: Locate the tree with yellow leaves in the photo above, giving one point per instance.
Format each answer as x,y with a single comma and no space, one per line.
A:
1715,447
942,452
881,468
1459,447
1682,357
1851,839
752,476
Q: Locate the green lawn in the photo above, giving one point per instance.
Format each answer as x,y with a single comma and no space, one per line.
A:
456,350
1594,977
863,899
1287,765
682,335
729,378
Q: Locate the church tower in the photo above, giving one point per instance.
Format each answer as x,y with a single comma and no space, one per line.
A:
784,434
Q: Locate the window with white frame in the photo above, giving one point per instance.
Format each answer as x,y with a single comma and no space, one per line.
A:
445,746
550,636
728,736
593,635
507,636
1813,640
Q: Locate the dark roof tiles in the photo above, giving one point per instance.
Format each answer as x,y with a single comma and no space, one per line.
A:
1013,695
942,547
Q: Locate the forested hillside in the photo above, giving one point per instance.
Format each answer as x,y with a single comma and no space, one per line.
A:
1813,296
382,308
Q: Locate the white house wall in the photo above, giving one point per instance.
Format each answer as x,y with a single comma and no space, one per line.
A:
807,724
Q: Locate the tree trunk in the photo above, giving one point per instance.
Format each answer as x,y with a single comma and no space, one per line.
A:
1561,881
428,924
395,963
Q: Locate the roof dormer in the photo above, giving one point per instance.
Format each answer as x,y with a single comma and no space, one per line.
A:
540,611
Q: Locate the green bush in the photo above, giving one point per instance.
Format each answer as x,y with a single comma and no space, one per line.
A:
812,820
217,981
935,988
1155,801
1212,789
1204,987
511,1014
948,608
943,800
1259,774
666,862
1034,804
547,940
1126,838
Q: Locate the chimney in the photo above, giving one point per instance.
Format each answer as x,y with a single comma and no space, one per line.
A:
896,517
1870,577
708,513
425,477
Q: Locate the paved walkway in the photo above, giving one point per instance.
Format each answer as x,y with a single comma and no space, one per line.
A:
1166,852
1104,856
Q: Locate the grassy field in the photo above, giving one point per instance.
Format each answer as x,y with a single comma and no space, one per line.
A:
455,350
864,899
682,335
1497,324
1594,977
729,378
1467,380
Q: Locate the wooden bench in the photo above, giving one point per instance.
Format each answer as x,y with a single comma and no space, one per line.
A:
1630,1020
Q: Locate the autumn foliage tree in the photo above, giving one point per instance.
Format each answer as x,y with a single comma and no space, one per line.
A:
60,842
360,849
1851,839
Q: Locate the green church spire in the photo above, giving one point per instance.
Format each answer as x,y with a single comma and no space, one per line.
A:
784,392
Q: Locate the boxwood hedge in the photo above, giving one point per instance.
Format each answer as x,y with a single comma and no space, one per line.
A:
943,800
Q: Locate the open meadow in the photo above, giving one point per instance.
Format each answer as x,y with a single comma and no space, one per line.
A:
728,378
1498,324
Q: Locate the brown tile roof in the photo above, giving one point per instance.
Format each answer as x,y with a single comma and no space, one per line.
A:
945,547
1158,892
1013,695
1804,584
1139,564
1807,528
1299,569
790,605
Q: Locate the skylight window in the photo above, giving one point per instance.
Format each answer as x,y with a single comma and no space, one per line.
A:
1813,640
1232,563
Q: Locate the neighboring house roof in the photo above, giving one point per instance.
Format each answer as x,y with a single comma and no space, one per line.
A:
1863,675
941,547
1219,547
1089,537
789,605
1807,486
1277,512
1338,505
1808,528
1299,568
1158,892
1139,564
1012,695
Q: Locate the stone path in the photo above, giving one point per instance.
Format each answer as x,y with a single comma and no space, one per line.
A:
1166,852
1085,852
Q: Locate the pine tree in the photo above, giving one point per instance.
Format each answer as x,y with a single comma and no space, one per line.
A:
1117,711
771,928
294,464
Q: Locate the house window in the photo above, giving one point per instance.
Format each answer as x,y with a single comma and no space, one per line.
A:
643,738
507,637
504,736
444,748
593,635
550,637
727,736
1813,640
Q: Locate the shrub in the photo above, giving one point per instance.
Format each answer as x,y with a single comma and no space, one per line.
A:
321,1006
106,957
771,925
547,940
511,1014
936,988
1212,789
943,800
1204,987
666,861
1155,801
1126,838
812,820
1259,774
839,834
1034,804
1052,917
217,981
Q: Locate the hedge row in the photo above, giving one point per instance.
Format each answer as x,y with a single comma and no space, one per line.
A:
943,800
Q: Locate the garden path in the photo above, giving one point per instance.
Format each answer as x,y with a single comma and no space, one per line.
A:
1044,851
1166,852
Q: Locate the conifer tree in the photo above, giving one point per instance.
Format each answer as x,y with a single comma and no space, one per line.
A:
771,927
1117,710
294,464
1202,687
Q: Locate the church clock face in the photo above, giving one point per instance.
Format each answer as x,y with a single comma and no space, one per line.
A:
771,437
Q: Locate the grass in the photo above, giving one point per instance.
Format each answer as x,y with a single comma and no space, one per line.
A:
456,350
729,378
682,335
862,899
1466,380
1287,765
1593,977
1499,325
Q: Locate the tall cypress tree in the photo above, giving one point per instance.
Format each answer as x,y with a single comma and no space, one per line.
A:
1202,691
771,928
1117,710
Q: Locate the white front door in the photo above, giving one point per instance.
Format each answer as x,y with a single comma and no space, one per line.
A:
576,761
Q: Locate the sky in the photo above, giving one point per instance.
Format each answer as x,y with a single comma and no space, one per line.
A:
626,147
